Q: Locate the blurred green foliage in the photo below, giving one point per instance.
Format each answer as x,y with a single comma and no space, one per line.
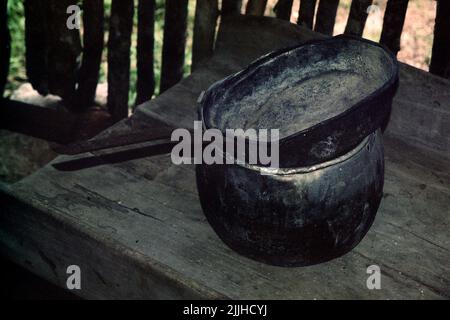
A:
16,22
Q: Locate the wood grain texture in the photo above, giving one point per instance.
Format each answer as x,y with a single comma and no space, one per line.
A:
145,86
121,25
394,18
231,7
357,17
206,13
36,43
175,26
157,243
93,38
64,50
306,13
326,16
283,9
255,7
440,58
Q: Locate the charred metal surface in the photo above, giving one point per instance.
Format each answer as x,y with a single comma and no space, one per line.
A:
301,217
325,97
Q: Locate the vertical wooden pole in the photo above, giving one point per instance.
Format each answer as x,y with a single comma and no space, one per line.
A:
5,45
357,17
440,58
63,51
231,7
175,25
121,26
36,44
93,37
394,18
306,13
145,86
283,9
326,16
206,13
256,7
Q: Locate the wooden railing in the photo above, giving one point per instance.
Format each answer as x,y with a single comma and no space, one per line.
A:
53,50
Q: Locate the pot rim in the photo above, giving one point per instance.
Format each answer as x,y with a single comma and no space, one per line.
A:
387,85
308,169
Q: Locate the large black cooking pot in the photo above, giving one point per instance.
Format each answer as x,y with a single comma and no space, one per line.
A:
329,99
324,96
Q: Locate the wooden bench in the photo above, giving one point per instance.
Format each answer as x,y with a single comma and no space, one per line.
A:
136,228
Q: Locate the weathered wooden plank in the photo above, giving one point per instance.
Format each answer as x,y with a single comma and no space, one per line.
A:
326,16
64,49
121,25
175,25
109,271
36,43
440,58
45,123
206,13
167,213
357,17
283,9
255,7
420,115
120,237
231,7
145,86
394,18
5,45
306,13
93,38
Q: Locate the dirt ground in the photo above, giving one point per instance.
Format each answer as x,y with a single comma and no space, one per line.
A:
417,36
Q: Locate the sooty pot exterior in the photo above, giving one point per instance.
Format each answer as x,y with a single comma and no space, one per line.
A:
296,217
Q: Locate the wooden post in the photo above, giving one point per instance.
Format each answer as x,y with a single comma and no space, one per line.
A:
357,17
206,13
326,16
145,86
440,58
121,25
93,37
256,7
36,44
306,13
394,18
283,9
5,46
64,49
175,25
230,7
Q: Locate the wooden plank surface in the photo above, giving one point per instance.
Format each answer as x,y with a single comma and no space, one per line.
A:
136,228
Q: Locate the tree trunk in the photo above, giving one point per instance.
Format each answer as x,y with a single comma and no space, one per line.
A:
256,7
93,37
63,51
306,13
145,86
440,59
206,13
231,7
36,44
394,18
326,16
357,17
5,46
121,25
283,9
175,25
